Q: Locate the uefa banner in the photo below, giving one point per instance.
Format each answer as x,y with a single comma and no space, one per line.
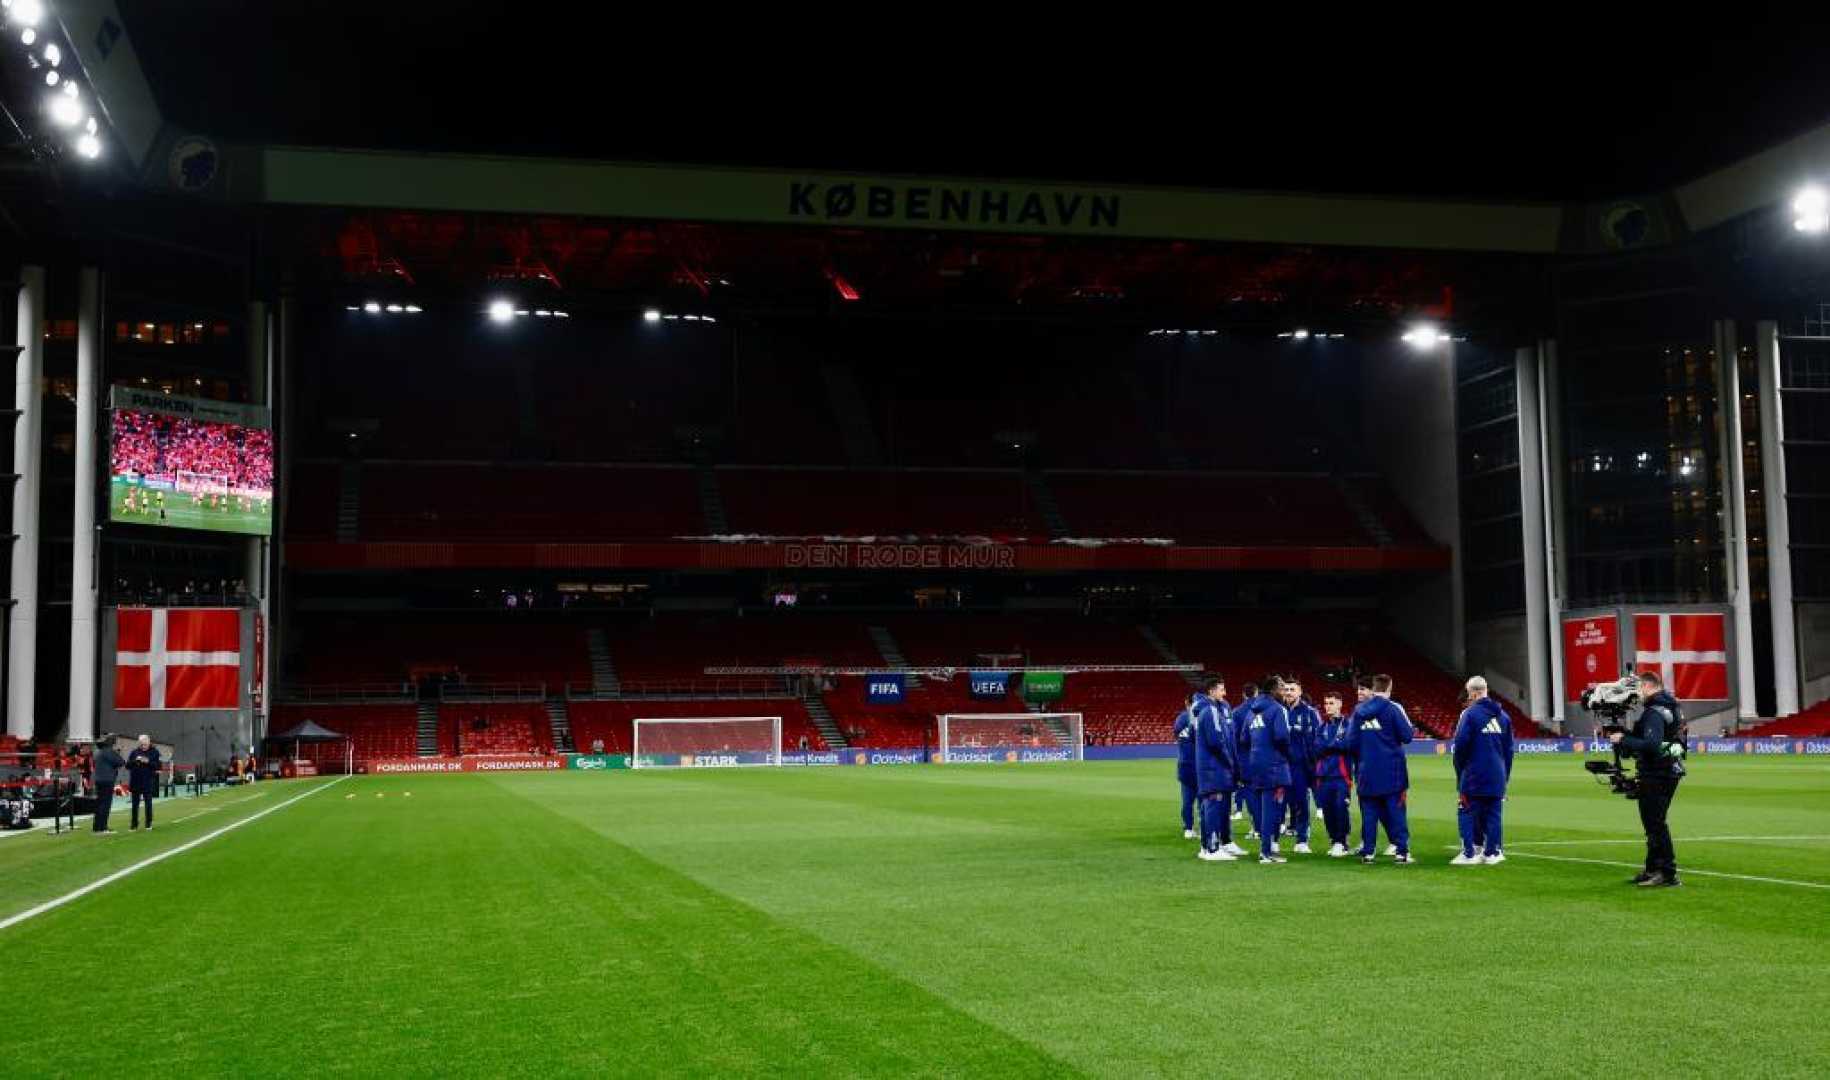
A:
886,688
990,685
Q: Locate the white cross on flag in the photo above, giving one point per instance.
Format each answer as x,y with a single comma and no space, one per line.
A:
177,658
1690,652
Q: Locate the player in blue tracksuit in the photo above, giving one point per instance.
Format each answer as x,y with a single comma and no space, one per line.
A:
1333,774
1265,747
1304,724
1216,769
1242,796
1483,765
1185,765
1376,736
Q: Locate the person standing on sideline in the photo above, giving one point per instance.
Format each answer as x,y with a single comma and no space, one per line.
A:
1216,770
1242,797
108,764
1483,765
1659,743
1266,748
143,779
1304,724
1376,736
1333,774
1187,734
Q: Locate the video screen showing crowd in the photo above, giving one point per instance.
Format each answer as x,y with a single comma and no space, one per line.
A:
1274,754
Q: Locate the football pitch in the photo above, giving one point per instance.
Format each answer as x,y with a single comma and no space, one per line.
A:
922,920
179,513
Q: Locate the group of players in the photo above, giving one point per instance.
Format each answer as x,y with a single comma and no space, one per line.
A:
1272,753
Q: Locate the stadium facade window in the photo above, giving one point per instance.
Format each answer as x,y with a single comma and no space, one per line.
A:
1805,383
1487,421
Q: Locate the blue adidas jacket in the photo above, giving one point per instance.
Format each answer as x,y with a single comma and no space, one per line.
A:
1185,744
1483,750
1376,736
1305,728
1332,759
1265,743
1216,755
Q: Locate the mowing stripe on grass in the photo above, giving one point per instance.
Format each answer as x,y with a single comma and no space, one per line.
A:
49,905
1682,872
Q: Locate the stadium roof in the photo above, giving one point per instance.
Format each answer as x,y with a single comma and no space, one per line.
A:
1607,108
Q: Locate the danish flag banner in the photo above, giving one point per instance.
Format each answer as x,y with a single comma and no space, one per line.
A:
1689,651
177,658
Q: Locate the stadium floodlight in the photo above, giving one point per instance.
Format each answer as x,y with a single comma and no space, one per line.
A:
28,35
501,311
1811,210
1424,336
351,307
652,315
394,309
1300,335
707,318
542,313
372,307
558,314
26,12
53,55
714,742
414,309
671,318
51,78
66,110
1010,737
690,318
88,145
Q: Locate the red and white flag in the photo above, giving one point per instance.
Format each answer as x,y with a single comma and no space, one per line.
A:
1690,652
177,658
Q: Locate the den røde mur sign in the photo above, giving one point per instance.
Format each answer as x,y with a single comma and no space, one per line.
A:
887,202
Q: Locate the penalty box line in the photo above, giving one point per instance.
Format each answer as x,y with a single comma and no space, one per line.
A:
52,905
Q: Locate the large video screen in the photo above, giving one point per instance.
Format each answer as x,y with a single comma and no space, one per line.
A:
188,463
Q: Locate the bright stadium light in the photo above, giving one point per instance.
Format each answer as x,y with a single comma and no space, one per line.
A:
652,315
1811,210
394,309
557,314
51,78
26,12
53,55
1424,336
542,313
372,307
28,35
66,111
501,311
88,145
414,309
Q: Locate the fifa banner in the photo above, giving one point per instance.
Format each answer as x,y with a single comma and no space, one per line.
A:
990,685
887,688
1044,685
177,658
1688,649
1591,653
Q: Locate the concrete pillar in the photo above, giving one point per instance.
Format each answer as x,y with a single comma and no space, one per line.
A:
1536,550
1550,495
1734,515
84,598
28,434
1778,524
255,573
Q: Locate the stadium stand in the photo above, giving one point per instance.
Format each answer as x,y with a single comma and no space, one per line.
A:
478,650
1812,723
523,502
377,731
612,721
782,502
311,512
493,727
1207,508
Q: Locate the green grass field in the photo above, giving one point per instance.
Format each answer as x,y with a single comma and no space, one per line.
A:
179,513
972,920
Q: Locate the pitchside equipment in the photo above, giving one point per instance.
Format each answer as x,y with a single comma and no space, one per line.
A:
1024,736
707,742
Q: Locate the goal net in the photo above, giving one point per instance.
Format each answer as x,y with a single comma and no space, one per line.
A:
1025,736
707,742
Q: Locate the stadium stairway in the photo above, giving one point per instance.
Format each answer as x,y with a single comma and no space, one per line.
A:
1044,501
892,652
558,722
1362,514
862,447
1168,654
822,719
428,729
711,502
604,679
349,502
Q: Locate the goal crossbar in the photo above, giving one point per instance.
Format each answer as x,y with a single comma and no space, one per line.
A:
995,737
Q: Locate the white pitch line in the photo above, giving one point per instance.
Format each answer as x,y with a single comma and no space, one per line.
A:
1642,840
50,905
1682,871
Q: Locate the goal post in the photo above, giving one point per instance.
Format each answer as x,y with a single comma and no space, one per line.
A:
716,742
1011,737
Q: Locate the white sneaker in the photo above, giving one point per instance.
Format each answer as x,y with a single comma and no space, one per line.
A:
1188,834
1338,851
1271,860
1237,814
1465,859
1302,847
1232,849
1216,855
1391,849
1251,834
1496,858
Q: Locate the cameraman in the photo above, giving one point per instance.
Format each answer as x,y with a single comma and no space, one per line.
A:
1657,743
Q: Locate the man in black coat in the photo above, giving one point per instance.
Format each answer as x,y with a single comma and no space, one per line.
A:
108,766
1658,742
143,778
